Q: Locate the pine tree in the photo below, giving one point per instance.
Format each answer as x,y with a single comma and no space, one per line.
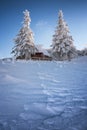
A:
62,46
24,42
84,52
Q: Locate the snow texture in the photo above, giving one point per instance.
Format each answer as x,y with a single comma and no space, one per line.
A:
41,95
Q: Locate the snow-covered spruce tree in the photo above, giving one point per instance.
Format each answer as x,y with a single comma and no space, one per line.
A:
24,42
62,46
84,52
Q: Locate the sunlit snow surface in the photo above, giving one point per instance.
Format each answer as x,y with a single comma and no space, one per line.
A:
43,95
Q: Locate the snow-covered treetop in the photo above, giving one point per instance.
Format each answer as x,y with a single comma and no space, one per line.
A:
60,14
27,18
62,26
27,32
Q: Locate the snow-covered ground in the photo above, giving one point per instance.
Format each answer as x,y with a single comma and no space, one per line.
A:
43,95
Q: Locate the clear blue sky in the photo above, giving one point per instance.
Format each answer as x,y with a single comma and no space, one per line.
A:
44,16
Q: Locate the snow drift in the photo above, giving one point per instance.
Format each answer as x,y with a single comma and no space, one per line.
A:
41,95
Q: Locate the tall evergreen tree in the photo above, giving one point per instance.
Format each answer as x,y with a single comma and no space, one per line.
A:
24,42
62,46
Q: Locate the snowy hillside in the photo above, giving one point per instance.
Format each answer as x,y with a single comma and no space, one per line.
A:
40,95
